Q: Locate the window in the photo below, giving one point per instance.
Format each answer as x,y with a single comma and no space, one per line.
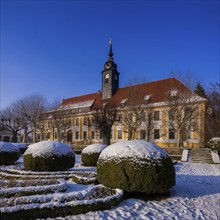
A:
142,134
69,136
143,116
77,135
85,120
171,114
100,135
156,116
188,112
84,135
93,121
70,122
171,134
120,118
119,134
156,133
93,135
77,121
130,116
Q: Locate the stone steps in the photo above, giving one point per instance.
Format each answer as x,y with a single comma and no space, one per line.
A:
201,155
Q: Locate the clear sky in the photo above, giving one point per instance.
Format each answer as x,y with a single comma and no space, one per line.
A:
58,48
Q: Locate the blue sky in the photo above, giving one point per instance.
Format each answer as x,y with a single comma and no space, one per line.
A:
58,48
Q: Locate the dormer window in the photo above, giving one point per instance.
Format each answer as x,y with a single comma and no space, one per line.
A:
104,104
147,98
123,101
173,93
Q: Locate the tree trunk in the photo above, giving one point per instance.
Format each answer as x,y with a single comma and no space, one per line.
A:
14,137
178,137
25,137
133,134
148,135
106,139
34,135
129,134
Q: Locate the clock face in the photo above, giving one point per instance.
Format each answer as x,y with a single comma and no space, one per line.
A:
107,65
107,76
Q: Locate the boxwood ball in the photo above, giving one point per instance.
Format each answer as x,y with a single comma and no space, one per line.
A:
137,167
49,156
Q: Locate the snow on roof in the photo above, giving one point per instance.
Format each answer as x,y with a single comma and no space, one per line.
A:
48,148
8,147
73,105
94,148
134,148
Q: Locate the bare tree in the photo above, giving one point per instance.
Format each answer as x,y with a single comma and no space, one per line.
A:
186,78
104,118
53,105
10,121
212,122
134,107
148,122
61,123
29,109
183,112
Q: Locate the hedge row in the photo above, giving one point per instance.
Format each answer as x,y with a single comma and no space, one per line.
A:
72,207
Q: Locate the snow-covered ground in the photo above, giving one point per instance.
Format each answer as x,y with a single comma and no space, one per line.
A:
196,196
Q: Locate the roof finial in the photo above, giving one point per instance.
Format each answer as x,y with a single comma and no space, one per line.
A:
110,54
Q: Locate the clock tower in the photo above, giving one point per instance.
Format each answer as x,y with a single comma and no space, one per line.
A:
110,76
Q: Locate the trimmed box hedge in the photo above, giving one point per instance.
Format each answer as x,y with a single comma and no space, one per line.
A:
137,176
9,153
52,163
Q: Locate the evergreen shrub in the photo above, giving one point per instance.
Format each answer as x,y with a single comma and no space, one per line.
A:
90,154
135,174
9,153
48,156
214,144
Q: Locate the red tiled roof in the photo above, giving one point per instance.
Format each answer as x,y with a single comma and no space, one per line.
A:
157,91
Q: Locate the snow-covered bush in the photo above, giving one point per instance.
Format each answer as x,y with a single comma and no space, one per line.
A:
9,153
22,147
49,155
136,166
90,154
214,144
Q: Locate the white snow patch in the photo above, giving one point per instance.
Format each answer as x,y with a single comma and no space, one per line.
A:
195,196
94,148
8,147
48,148
185,155
215,157
135,148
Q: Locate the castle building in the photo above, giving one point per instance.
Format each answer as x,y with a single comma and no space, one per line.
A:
164,112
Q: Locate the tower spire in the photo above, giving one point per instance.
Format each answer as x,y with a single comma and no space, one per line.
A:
110,54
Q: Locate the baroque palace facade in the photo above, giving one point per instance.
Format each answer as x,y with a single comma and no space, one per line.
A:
160,102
